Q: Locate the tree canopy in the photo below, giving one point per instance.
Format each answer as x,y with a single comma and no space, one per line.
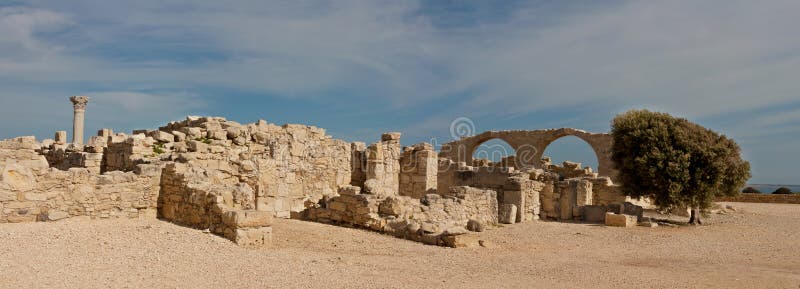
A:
675,162
751,190
783,191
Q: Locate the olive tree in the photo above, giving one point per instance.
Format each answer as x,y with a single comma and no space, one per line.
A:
675,162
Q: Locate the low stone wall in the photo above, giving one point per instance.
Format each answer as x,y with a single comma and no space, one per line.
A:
434,219
222,209
32,191
762,198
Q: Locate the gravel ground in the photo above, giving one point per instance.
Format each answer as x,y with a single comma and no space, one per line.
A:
756,247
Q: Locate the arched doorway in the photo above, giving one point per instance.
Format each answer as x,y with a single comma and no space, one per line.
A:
494,152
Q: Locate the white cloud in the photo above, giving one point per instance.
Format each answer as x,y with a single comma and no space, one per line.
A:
698,59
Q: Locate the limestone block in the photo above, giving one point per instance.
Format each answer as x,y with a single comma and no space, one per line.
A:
516,198
620,220
253,236
462,241
17,177
247,218
57,215
61,137
594,214
507,214
162,136
197,146
192,132
179,136
349,190
148,169
35,197
631,209
217,134
391,136
105,133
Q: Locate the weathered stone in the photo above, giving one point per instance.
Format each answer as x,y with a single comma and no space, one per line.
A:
620,220
60,137
247,219
475,226
57,215
253,236
349,190
461,241
391,136
594,214
197,146
507,214
162,136
455,230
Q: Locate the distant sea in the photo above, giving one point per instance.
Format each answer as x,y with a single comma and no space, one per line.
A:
768,189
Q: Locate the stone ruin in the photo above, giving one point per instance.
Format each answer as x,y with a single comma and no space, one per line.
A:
232,179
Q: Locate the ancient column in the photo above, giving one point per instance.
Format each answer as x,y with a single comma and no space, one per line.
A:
79,104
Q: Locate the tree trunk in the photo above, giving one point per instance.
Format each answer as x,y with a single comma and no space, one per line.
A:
695,217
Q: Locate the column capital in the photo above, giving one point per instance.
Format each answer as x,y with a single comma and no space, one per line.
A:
79,102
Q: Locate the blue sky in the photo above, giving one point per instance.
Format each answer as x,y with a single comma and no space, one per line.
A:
359,68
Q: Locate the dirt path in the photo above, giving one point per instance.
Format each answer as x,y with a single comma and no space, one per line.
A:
757,247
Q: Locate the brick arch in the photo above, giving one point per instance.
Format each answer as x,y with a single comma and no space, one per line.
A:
530,145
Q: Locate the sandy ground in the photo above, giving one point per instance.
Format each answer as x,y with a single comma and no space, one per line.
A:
756,247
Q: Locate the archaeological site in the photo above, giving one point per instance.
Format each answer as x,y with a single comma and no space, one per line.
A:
234,179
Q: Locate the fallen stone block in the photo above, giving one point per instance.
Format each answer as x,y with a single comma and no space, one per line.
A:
252,236
461,241
620,220
594,214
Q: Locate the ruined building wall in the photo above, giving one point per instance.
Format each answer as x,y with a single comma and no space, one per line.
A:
383,166
288,166
433,219
187,199
30,190
418,171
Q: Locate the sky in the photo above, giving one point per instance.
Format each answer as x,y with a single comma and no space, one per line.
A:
360,68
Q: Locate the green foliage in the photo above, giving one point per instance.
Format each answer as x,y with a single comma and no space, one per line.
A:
158,149
203,140
675,162
751,190
782,191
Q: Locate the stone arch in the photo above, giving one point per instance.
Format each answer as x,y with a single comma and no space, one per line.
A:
530,145
492,150
571,148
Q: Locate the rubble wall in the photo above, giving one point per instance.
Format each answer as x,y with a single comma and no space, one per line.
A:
186,199
32,191
433,219
288,166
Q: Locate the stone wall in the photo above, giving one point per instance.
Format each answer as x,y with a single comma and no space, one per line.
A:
383,166
187,199
762,198
32,191
287,165
433,219
418,173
